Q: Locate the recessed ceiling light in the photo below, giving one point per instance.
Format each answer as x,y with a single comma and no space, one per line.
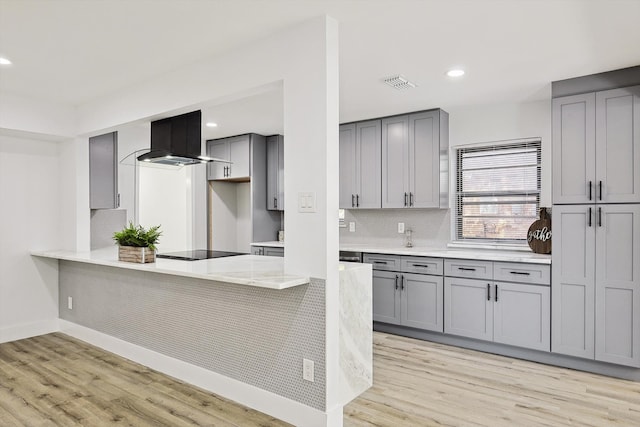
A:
4,61
456,72
211,125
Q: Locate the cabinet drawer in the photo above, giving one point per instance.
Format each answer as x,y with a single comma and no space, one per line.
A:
538,274
468,268
422,265
383,262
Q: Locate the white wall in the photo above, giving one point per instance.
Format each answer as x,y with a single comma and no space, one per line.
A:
29,220
36,116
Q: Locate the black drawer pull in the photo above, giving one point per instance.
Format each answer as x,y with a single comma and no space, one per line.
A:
380,262
420,265
466,269
522,273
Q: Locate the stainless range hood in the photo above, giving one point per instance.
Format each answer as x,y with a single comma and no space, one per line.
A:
177,141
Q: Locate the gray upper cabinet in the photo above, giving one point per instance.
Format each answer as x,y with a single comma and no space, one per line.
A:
573,278
415,160
360,165
618,145
275,173
236,150
617,278
596,147
596,282
103,171
574,145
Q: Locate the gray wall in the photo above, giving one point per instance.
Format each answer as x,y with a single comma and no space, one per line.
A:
254,335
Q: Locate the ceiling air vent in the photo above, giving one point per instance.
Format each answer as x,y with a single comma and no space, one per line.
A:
399,82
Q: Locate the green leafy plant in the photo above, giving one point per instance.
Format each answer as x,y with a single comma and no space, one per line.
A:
137,236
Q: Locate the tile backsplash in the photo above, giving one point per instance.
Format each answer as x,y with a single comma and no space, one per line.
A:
430,227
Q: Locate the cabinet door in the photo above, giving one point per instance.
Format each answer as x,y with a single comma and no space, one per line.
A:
239,154
103,171
368,165
468,308
273,251
347,166
574,149
275,173
618,284
257,250
218,150
618,145
573,280
395,162
522,315
424,160
422,301
386,297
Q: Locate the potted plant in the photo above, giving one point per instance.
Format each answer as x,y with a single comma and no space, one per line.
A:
135,244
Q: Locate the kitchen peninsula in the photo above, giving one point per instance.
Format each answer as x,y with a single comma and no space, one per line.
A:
236,323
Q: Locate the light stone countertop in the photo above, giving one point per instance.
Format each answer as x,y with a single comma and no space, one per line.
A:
475,254
250,270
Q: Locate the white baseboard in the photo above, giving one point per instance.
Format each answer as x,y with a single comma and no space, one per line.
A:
28,330
261,400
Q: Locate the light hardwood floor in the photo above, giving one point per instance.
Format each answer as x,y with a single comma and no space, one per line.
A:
57,380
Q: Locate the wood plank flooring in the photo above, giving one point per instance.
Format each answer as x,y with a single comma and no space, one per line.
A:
55,380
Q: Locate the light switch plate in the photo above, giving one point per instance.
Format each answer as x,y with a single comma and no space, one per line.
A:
306,202
352,226
401,227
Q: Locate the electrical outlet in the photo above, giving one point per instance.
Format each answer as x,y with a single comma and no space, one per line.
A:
352,226
401,227
307,369
70,303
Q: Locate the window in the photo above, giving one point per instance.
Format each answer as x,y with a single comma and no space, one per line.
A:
497,192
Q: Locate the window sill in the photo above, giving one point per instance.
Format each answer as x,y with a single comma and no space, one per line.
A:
493,246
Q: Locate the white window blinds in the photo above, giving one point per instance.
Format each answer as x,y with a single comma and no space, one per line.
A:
498,191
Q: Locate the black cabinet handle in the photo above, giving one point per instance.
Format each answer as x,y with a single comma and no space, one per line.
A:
522,273
353,202
600,188
405,199
380,262
357,200
466,269
599,217
410,199
589,217
496,293
420,265
488,292
396,282
590,190
402,282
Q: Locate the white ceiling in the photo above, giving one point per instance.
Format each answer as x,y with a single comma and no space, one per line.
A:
74,51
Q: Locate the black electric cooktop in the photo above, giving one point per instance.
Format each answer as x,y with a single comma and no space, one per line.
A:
197,254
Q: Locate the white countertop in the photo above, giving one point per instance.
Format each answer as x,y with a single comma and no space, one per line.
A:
476,254
250,270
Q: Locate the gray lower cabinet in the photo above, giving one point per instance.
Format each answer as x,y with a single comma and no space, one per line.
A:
408,299
596,286
414,153
468,308
267,251
513,313
275,172
360,165
103,171
237,150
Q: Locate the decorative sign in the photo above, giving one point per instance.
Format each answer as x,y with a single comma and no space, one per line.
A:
539,234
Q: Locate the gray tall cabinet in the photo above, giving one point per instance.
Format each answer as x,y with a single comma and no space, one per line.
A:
275,173
596,226
103,171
